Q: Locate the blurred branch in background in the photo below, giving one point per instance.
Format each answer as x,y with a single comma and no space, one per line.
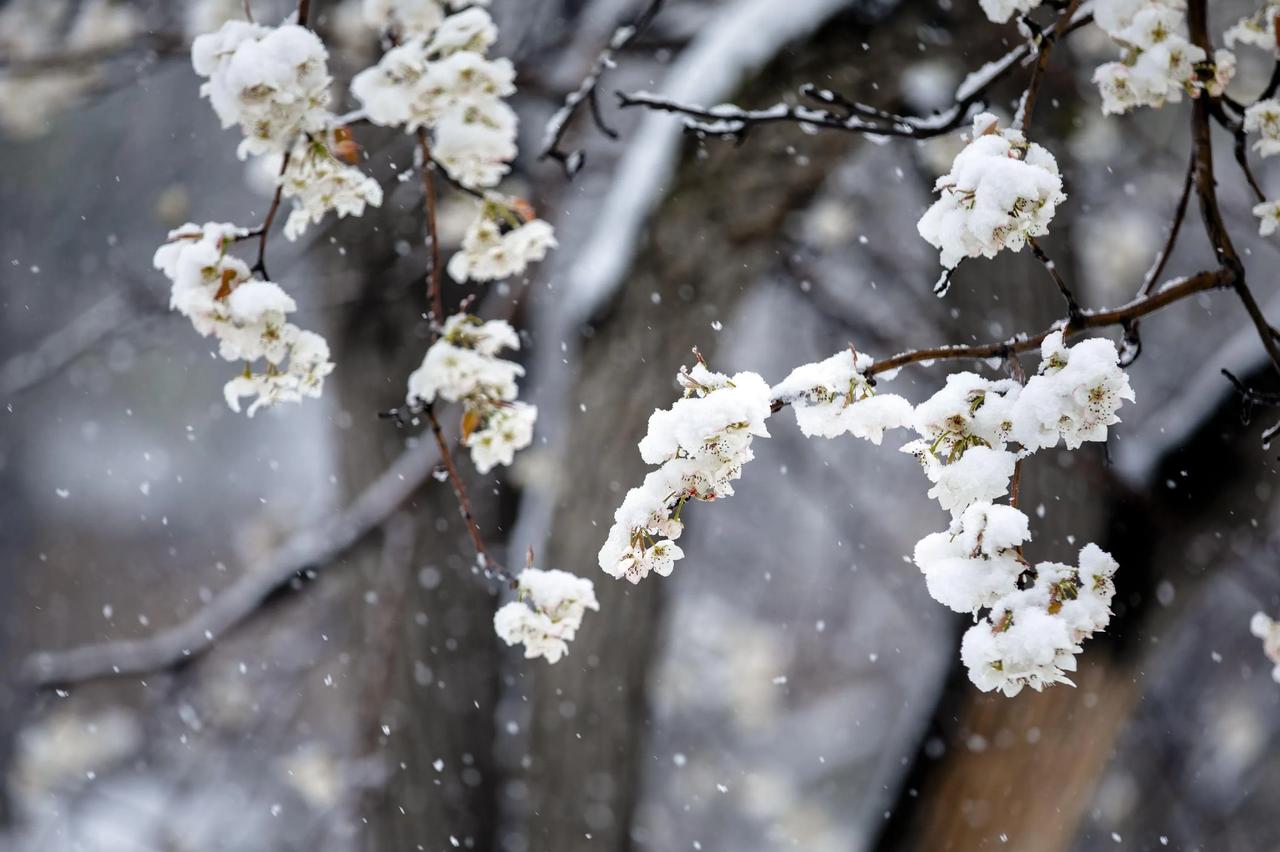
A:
308,549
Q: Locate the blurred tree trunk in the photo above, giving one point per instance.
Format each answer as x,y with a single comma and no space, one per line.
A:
430,658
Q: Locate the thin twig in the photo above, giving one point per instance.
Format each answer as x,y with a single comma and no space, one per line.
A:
727,121
263,232
1179,214
435,298
588,90
487,562
1073,307
1047,41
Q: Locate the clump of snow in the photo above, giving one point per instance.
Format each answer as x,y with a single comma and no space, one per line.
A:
832,397
1000,192
218,293
701,444
547,612
463,366
1074,397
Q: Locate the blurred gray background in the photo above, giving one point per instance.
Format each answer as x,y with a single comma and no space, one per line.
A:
792,686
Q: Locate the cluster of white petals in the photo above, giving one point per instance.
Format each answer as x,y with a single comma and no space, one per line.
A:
1268,630
1032,634
498,244
700,445
972,433
248,316
463,366
1256,30
832,397
271,81
1263,119
317,181
547,612
1074,396
443,81
1001,190
976,562
1268,213
1159,63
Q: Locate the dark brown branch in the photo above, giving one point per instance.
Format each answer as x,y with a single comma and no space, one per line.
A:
1206,189
263,231
1171,292
588,91
1047,41
487,562
727,121
435,297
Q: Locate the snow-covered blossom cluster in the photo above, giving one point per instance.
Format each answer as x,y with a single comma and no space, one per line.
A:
547,612
437,78
1159,63
1256,30
318,180
1037,615
1268,630
700,445
1000,192
499,244
833,397
1030,618
31,30
248,316
442,80
273,82
463,366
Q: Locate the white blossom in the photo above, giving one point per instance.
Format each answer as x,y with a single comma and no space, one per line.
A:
1001,190
444,82
1159,62
248,316
462,365
271,81
832,397
1268,213
317,181
547,613
498,245
1263,119
975,563
1074,396
700,444
1256,30
1032,635
506,429
967,411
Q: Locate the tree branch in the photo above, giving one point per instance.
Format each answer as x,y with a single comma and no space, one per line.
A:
588,91
307,549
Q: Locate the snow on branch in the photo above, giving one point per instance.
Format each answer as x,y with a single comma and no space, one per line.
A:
588,92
